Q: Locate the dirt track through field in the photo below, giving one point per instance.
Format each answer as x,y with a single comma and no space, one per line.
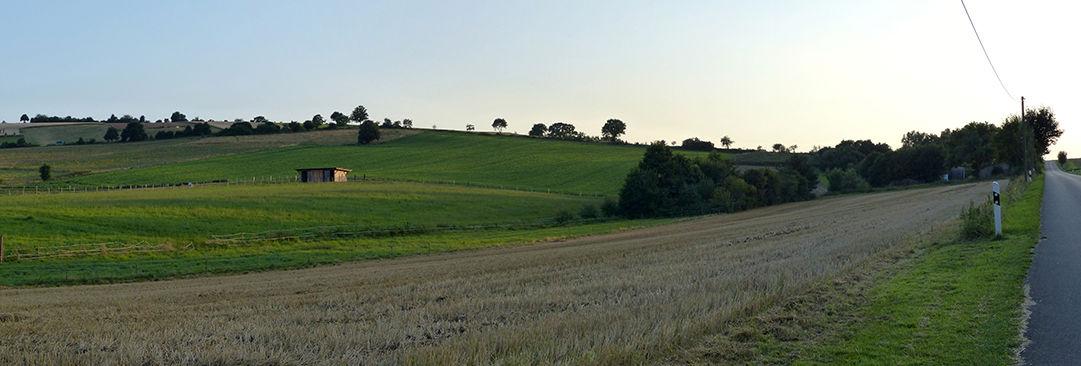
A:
615,297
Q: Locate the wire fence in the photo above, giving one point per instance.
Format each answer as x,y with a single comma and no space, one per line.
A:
87,249
306,234
263,180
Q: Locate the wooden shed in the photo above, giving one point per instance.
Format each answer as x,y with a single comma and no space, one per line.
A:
323,174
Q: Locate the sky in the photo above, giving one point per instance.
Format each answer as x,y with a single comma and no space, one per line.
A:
805,73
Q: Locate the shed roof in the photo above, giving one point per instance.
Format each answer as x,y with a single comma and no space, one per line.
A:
335,168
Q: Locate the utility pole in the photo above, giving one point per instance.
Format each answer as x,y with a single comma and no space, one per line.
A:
1024,138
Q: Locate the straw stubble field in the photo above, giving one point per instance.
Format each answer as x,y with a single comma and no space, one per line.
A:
625,297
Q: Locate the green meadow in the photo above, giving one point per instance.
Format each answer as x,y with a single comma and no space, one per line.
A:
487,160
343,221
20,165
49,135
182,214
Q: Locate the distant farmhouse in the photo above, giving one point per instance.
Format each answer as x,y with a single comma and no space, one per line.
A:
323,174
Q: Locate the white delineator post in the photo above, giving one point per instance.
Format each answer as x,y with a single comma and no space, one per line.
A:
998,208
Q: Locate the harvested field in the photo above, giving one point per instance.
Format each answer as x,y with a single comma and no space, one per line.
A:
625,297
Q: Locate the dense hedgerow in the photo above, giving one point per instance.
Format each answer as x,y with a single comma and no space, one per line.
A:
667,184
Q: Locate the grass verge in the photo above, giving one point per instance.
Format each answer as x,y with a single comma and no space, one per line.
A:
936,301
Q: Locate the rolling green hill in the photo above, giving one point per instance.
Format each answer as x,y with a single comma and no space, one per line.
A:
497,161
49,135
20,165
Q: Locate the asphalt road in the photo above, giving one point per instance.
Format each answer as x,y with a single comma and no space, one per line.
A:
1055,276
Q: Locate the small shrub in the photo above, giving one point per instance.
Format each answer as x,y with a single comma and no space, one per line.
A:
589,211
563,217
977,221
610,207
846,181
46,172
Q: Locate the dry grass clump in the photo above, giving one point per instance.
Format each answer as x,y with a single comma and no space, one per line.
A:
622,298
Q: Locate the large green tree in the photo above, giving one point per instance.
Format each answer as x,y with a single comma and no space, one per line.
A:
1008,143
112,134
339,118
133,132
538,130
612,129
24,118
972,145
499,124
360,114
1045,129
726,142
367,133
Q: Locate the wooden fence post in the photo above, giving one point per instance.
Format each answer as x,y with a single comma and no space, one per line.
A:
1,249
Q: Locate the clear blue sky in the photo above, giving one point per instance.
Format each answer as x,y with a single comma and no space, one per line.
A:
794,72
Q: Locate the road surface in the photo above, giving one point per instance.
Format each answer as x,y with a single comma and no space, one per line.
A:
1054,328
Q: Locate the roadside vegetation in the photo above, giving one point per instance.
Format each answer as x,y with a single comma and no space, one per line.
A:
977,150
941,299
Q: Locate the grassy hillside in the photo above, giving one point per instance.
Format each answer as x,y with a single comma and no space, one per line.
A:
10,138
18,166
48,135
512,162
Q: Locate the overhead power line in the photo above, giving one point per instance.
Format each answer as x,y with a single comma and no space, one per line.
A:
985,52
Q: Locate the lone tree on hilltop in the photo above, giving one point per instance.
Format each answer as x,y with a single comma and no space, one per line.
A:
318,119
407,123
359,114
779,148
24,118
726,142
178,117
46,172
612,129
368,132
1061,158
538,130
499,124
470,127
133,132
112,134
259,119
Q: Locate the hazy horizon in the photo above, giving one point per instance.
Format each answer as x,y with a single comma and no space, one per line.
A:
806,74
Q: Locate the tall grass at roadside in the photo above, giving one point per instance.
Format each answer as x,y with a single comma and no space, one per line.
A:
954,303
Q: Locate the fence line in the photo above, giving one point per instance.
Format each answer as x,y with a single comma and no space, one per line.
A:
304,234
263,180
88,249
337,231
